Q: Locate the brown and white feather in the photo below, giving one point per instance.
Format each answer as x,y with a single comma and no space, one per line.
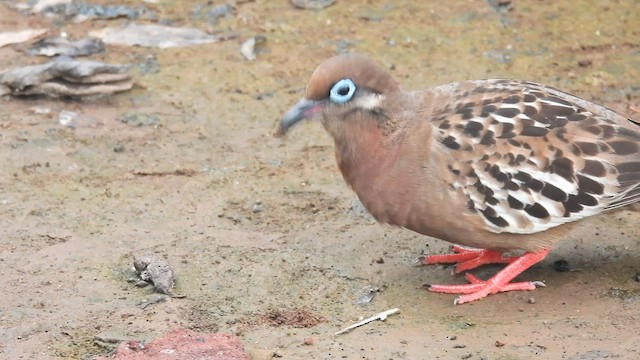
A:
530,157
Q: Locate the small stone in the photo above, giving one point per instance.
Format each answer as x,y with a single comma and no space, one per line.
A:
499,343
41,110
110,339
68,118
141,283
139,120
562,266
154,269
459,346
312,4
584,63
452,337
531,300
257,206
367,294
251,47
308,341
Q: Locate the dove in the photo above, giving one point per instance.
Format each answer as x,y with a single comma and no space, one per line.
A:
501,168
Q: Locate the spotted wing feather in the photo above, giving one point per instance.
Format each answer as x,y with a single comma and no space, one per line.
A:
530,157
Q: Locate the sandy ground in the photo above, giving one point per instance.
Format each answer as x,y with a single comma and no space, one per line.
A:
266,240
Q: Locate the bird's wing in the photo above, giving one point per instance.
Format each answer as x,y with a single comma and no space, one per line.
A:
530,157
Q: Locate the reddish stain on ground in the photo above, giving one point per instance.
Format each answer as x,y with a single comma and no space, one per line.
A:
185,345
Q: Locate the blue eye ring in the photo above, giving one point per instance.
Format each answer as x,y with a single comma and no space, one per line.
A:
342,91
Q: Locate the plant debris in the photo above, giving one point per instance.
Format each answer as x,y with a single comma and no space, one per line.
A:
380,316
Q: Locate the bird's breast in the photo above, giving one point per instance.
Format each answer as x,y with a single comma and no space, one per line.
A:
389,182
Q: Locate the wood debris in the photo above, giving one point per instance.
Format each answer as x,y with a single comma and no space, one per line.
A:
380,316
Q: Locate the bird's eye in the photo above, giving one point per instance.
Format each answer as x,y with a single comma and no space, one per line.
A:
342,91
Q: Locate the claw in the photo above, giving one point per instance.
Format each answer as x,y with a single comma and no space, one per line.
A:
419,261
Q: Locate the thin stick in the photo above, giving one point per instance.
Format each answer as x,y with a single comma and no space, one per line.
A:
381,316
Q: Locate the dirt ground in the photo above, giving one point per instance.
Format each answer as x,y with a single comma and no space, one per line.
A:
266,240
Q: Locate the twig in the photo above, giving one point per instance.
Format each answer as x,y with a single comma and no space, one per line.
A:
178,172
381,316
156,300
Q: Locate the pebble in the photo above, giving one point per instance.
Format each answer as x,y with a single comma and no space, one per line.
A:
367,294
312,4
74,120
562,266
250,47
257,207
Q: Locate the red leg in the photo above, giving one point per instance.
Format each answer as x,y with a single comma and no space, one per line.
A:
466,258
478,289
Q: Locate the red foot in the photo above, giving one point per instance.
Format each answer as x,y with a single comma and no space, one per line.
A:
500,282
466,258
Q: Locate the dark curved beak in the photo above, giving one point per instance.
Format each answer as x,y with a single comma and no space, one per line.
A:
304,109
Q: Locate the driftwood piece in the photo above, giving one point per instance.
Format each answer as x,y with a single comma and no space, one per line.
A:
153,35
66,77
57,45
16,37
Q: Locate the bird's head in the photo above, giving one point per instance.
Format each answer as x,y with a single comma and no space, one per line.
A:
342,86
